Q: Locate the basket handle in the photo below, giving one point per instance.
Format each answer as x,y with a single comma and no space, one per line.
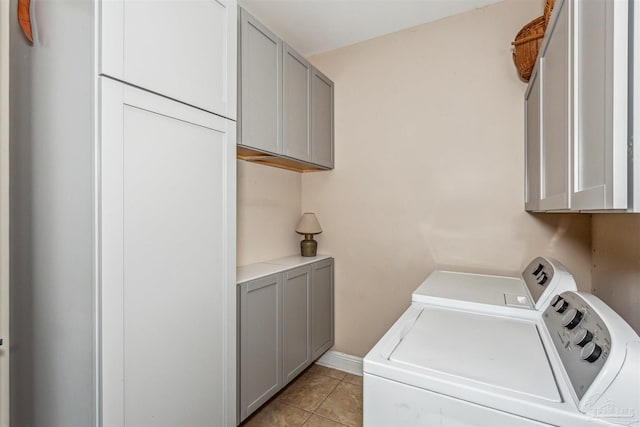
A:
527,39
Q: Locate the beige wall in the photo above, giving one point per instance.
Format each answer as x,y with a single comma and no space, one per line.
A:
616,263
268,212
429,168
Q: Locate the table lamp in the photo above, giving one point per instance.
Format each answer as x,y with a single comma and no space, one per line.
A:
308,226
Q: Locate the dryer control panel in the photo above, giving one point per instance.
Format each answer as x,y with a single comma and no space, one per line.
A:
580,336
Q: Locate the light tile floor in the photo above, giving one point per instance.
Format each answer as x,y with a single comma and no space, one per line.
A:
319,397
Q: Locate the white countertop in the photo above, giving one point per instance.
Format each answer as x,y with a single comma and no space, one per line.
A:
246,273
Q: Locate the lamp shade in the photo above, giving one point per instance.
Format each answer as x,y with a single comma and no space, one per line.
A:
308,224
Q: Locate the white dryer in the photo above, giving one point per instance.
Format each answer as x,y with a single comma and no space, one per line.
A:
532,291
577,364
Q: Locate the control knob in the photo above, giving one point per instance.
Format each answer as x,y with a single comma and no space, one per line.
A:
559,304
582,337
542,278
538,269
591,352
571,319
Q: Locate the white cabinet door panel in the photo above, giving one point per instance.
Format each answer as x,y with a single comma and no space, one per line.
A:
168,264
556,90
185,49
600,117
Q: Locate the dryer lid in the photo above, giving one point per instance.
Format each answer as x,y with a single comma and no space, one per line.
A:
475,288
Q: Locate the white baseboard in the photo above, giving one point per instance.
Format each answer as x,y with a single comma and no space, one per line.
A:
341,361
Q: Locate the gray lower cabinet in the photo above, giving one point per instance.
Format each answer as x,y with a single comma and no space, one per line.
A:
321,307
260,336
285,323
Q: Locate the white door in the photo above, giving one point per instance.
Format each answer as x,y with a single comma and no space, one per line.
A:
168,293
600,53
183,49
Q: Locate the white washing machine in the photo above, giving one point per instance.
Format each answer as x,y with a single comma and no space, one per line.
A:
532,291
577,364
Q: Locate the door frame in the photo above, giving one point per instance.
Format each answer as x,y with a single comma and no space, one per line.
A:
5,13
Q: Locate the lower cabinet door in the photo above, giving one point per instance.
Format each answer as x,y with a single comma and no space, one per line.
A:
168,298
260,342
321,307
296,349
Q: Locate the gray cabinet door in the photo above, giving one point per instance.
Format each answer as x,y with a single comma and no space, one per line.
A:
321,119
296,351
556,115
533,128
260,342
321,307
296,81
260,86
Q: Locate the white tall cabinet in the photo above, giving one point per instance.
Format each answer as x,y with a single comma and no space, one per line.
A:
123,215
168,227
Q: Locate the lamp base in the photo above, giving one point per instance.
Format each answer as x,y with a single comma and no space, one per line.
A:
308,247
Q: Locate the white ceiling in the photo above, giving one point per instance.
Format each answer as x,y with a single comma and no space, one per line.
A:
314,26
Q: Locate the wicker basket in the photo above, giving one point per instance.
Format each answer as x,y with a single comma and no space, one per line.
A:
548,8
526,46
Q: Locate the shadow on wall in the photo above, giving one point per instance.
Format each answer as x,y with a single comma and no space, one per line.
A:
569,234
615,266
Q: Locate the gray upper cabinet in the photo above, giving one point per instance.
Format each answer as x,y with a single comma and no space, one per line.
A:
286,107
321,307
260,316
260,86
321,119
296,321
296,78
585,148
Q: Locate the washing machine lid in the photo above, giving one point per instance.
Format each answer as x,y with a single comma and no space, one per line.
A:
494,351
474,288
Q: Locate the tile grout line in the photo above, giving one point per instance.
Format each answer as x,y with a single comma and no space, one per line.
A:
327,396
324,400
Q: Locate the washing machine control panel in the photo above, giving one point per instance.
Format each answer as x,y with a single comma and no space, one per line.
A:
580,336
